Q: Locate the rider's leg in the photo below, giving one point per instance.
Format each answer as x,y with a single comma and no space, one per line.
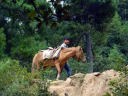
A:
68,69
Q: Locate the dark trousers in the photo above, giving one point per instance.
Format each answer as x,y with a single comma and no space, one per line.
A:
68,69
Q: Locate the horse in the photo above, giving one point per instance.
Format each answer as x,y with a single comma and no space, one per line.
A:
64,55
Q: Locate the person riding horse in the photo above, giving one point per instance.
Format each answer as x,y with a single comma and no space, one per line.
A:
65,44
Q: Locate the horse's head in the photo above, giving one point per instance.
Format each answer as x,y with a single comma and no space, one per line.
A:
80,54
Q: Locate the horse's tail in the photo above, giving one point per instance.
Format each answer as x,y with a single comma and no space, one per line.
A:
33,63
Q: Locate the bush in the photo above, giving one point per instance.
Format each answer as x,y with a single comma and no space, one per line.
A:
16,81
119,87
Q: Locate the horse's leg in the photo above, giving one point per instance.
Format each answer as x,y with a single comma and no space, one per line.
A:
61,67
38,66
58,70
35,63
33,68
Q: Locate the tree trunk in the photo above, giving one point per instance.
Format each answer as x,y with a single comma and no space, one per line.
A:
89,55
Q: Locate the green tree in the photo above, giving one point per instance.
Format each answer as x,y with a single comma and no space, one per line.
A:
91,12
123,9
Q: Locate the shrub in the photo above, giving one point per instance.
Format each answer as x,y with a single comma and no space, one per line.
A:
119,87
16,81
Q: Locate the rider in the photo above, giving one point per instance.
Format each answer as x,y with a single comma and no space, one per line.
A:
65,44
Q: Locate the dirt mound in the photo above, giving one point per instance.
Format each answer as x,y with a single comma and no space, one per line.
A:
93,84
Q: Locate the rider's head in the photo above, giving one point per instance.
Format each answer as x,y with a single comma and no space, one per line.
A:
66,40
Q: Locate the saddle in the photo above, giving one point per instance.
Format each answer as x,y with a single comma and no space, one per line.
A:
51,53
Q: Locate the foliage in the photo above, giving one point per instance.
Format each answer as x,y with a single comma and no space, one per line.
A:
116,59
101,61
78,66
123,9
110,49
119,87
69,29
96,13
27,26
2,42
26,47
15,80
109,59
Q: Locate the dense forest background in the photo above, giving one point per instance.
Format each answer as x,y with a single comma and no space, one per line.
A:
27,26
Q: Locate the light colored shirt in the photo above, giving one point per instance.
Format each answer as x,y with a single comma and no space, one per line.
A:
63,45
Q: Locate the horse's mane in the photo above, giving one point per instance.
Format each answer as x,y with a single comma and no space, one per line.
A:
68,49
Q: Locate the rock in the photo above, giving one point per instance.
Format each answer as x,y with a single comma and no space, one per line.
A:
91,84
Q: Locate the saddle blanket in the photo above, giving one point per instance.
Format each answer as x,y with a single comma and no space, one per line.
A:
51,53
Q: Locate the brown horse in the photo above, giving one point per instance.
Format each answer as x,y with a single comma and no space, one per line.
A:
65,54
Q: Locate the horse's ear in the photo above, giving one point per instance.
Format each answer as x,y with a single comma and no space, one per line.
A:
79,48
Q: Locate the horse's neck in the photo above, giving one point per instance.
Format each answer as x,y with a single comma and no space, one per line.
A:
68,53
